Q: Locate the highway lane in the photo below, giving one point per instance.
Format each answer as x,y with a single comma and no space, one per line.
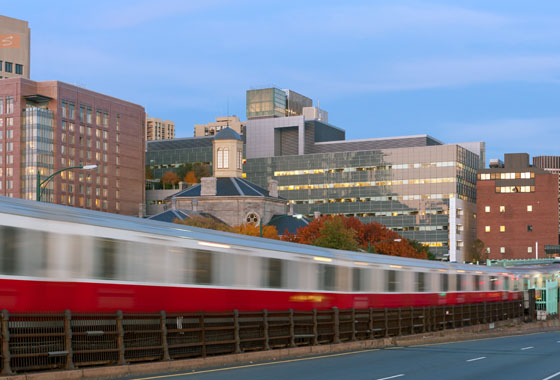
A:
535,356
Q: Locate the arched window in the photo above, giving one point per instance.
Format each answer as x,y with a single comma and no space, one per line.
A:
220,158
226,158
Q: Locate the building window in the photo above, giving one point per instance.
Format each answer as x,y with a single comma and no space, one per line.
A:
502,228
529,208
8,67
19,69
9,104
88,115
529,228
486,208
1,106
487,229
502,249
502,208
529,249
239,159
252,218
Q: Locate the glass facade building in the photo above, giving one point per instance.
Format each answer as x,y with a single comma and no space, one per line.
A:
163,156
420,192
273,102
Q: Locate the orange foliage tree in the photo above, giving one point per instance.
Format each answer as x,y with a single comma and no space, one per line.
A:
372,237
190,178
253,229
169,178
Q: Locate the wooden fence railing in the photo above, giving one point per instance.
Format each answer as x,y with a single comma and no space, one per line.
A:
32,342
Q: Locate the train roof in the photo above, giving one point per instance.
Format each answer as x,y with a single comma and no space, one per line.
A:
48,211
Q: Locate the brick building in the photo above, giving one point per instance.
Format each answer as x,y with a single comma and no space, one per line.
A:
517,208
47,126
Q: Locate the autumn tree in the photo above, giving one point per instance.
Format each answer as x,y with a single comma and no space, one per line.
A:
149,173
190,178
334,234
422,248
169,179
253,229
477,252
201,170
204,222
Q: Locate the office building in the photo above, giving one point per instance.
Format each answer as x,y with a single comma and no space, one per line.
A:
222,122
14,48
274,102
47,126
158,129
517,208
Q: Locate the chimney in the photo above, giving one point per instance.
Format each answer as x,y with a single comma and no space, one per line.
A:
141,210
273,188
317,214
173,203
208,186
195,204
291,212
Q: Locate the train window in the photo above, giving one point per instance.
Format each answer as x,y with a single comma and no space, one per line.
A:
107,253
476,283
444,282
506,283
420,281
516,284
8,255
459,282
493,281
272,273
327,276
392,280
357,279
203,267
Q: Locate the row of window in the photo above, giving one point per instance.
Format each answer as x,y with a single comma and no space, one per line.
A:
503,228
503,208
9,101
503,249
365,168
515,189
86,114
395,182
9,67
70,127
491,176
223,158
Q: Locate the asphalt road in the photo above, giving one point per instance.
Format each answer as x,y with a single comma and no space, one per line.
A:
535,356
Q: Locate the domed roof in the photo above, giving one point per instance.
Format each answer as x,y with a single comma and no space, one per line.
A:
227,134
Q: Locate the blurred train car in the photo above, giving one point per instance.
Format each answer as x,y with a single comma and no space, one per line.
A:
55,257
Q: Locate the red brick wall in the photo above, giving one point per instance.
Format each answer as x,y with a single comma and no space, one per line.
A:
516,218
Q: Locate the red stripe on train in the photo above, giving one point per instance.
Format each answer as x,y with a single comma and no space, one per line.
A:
18,296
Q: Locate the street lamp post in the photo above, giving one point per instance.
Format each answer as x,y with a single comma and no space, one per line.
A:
370,247
41,184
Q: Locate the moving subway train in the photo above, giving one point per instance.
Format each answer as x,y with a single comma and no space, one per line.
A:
55,257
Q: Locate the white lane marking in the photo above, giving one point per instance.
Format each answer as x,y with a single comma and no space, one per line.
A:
551,376
527,348
392,377
475,359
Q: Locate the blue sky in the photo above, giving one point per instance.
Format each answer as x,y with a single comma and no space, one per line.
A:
457,70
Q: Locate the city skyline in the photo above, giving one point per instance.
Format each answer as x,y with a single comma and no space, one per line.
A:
461,71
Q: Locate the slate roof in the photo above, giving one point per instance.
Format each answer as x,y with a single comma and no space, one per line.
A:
227,134
171,215
287,222
228,186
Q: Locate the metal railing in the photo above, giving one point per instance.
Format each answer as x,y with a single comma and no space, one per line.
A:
32,342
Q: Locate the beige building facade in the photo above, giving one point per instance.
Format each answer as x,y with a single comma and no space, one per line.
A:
159,129
223,122
14,48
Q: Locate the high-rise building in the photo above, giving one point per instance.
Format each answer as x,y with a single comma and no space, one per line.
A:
51,125
221,122
158,129
273,102
14,48
517,208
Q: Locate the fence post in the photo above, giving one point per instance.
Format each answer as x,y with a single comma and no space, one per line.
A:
68,340
6,358
265,328
202,334
163,326
120,337
354,324
236,331
292,329
484,311
315,329
424,319
412,320
400,322
370,324
386,323
336,338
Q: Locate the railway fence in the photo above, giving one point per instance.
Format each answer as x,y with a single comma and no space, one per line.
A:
38,342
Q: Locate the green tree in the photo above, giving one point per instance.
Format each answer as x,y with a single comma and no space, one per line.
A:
420,248
201,170
149,173
183,170
334,234
477,252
